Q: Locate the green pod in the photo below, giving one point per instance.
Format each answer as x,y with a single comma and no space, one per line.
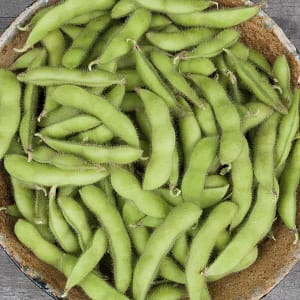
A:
116,95
214,46
150,222
159,21
190,132
133,80
13,211
282,73
75,215
152,79
169,270
202,157
88,259
241,51
51,76
10,98
119,242
214,181
131,102
181,249
242,184
288,128
175,170
227,116
63,233
25,202
203,244
139,235
94,286
256,227
260,61
30,105
212,196
24,61
143,122
162,239
244,264
123,8
60,114
96,154
128,187
168,196
71,126
257,84
86,18
177,41
99,107
206,120
218,18
222,241
119,44
166,292
67,191
171,28
46,175
253,114
62,14
98,135
15,147
163,140
264,155
55,45
289,181
173,6
81,46
41,208
166,67
202,66
72,31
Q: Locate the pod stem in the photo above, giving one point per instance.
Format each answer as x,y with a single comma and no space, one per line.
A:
174,191
93,63
24,28
22,50
296,233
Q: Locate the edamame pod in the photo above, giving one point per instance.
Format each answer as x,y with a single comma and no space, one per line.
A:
71,126
226,115
242,181
166,292
72,31
94,153
128,186
80,47
173,6
264,156
60,15
119,44
24,61
87,17
123,8
202,66
289,181
213,47
133,80
119,241
203,243
288,127
88,260
159,21
221,18
189,130
257,84
260,61
177,41
162,239
65,237
51,76
75,215
202,157
163,138
93,285
251,233
99,107
10,97
152,79
46,175
282,73
164,64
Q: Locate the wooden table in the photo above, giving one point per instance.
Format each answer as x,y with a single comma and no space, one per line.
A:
15,286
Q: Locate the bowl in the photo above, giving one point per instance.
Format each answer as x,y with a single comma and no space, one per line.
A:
277,257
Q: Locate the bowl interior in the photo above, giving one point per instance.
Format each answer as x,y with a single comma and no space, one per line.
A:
276,257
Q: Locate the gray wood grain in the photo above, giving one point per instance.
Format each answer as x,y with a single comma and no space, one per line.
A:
15,286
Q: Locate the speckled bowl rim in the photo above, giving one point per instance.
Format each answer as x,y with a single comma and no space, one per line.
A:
25,16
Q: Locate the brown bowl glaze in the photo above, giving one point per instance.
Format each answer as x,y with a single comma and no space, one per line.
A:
276,258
